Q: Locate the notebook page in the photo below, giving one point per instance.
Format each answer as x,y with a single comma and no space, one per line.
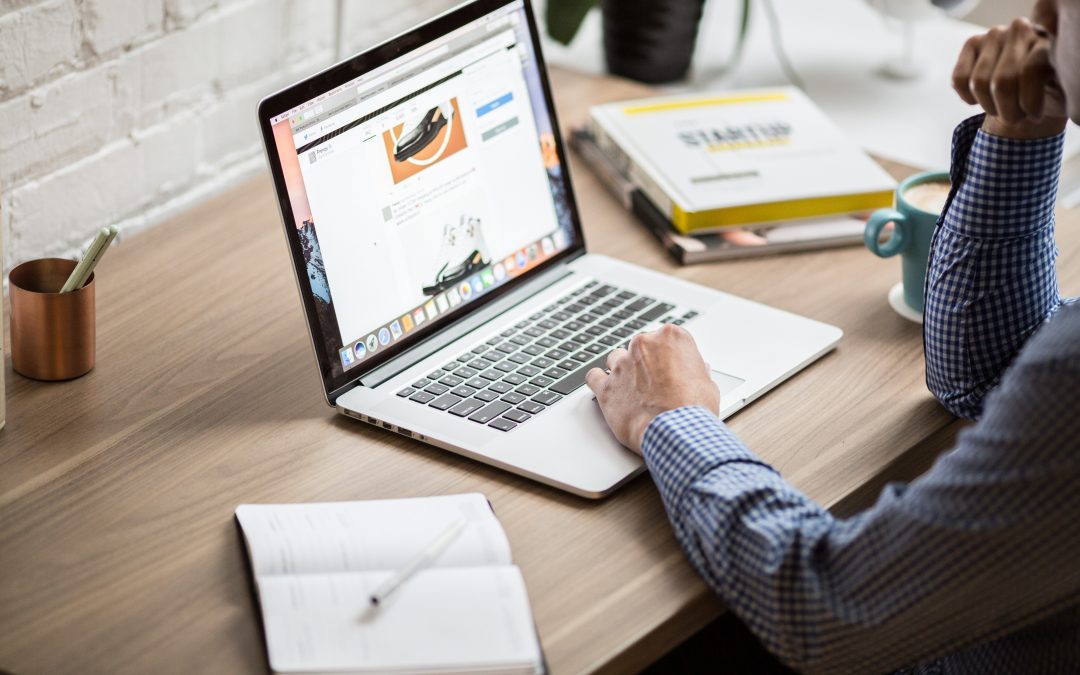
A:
464,619
369,535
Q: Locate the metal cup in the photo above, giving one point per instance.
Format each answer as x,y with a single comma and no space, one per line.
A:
52,333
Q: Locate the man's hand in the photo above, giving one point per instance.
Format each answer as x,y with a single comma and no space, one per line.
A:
1009,72
661,371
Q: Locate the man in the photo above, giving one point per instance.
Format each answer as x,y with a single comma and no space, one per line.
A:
975,566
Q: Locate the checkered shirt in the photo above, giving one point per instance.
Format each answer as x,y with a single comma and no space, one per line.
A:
975,566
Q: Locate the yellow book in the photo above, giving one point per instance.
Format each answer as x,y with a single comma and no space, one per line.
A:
710,161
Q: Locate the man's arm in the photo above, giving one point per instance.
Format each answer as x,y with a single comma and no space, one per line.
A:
984,543
991,280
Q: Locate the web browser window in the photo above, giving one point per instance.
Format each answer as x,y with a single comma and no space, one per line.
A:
424,185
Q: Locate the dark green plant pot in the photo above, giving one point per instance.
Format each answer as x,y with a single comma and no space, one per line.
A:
650,40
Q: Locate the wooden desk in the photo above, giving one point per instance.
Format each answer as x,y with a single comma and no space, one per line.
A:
118,550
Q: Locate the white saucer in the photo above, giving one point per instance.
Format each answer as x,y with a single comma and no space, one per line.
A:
896,301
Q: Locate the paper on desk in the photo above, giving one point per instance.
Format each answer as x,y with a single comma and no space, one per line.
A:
837,47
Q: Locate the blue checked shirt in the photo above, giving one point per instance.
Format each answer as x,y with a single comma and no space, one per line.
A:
975,566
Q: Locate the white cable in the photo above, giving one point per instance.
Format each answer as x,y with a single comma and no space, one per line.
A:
778,46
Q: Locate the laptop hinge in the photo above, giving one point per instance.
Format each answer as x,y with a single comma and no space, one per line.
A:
463,327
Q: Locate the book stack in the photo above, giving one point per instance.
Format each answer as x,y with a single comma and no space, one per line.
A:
732,175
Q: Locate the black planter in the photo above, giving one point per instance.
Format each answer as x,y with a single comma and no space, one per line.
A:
650,40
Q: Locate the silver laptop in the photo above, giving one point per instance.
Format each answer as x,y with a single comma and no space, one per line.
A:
438,251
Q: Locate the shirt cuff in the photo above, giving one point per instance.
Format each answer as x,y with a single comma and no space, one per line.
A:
1001,187
682,445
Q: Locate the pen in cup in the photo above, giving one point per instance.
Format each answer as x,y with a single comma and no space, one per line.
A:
90,259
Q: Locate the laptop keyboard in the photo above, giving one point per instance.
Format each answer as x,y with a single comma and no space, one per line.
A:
518,373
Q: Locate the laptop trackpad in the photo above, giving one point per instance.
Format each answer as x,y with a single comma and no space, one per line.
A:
727,383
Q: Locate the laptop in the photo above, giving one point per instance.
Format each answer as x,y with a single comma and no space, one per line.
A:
438,251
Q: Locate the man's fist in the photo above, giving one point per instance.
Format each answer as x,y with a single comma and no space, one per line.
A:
661,371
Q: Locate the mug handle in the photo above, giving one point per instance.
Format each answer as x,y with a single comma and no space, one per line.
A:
877,222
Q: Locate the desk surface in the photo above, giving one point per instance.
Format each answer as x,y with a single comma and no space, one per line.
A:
118,550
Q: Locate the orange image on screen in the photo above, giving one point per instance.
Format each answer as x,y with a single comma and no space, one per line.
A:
424,140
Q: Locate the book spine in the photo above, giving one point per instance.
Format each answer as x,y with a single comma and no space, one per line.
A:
628,167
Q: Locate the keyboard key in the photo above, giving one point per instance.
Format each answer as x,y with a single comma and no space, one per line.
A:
508,332
604,290
465,358
546,397
597,349
625,295
508,347
516,415
506,366
492,356
560,316
568,346
521,324
492,374
583,338
421,383
582,356
466,407
656,312
452,366
533,350
595,331
534,332
445,402
557,354
451,380
513,398
519,358
622,332
514,379
639,304
609,340
568,364
551,308
547,341
554,373
588,300
529,371
561,334
465,372
531,407
622,315
463,391
542,362
406,392
520,340
501,423
434,375
527,389
486,396
588,318
612,303
490,412
635,324
547,324
479,364
537,316
437,389
500,387
422,397
494,340
577,378
477,383
575,308
601,311
541,381
479,349
574,325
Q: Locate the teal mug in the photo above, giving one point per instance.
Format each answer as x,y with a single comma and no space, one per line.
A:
919,201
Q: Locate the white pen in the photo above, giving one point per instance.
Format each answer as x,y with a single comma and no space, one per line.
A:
425,558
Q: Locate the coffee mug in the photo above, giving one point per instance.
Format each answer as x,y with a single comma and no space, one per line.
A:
919,201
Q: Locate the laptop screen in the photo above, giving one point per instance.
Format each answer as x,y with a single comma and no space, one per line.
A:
422,186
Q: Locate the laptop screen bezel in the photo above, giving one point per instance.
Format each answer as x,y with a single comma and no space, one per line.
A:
345,71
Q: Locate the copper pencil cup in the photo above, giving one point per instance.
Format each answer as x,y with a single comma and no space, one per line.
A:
52,333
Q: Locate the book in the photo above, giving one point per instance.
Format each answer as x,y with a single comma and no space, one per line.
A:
727,244
709,162
315,567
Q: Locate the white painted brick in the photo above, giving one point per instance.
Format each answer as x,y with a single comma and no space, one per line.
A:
172,74
113,24
250,41
180,13
45,129
37,40
309,27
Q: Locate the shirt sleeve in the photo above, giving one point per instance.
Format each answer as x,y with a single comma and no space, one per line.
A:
931,568
991,279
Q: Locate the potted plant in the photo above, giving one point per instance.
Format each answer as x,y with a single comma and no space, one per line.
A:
646,40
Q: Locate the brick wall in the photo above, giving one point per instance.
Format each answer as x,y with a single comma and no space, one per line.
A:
127,111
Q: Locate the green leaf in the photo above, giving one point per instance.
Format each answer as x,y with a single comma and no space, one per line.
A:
564,18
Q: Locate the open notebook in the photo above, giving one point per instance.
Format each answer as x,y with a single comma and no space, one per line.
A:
315,566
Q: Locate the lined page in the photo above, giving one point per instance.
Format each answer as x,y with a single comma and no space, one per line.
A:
369,535
454,619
